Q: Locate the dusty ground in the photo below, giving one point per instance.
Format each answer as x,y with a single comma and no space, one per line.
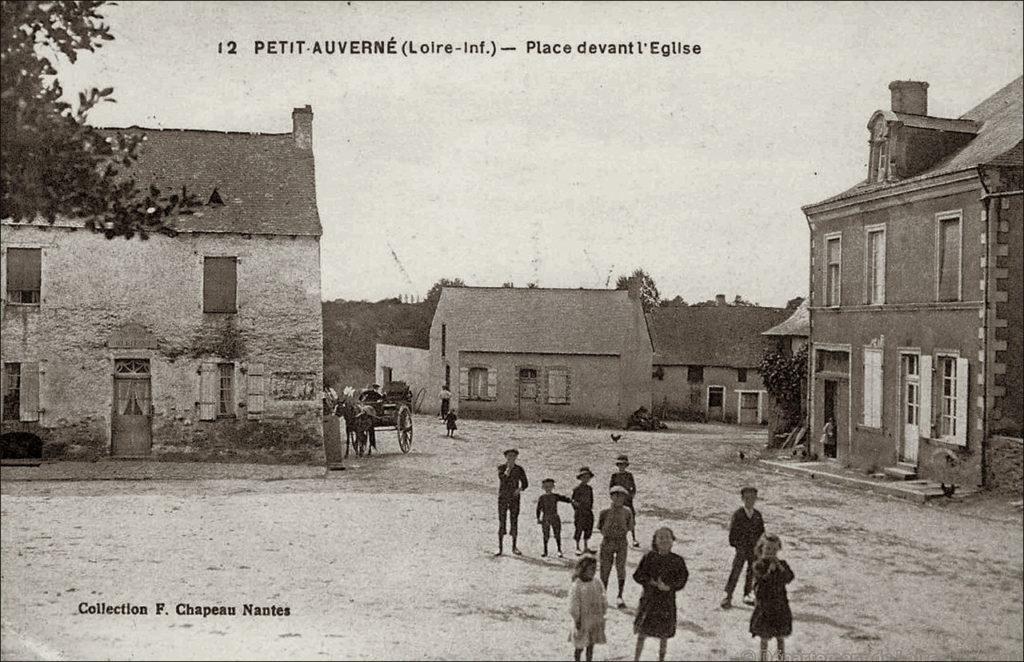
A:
392,558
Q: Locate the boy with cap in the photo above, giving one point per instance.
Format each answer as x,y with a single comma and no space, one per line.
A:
614,523
547,514
624,479
511,482
745,529
583,505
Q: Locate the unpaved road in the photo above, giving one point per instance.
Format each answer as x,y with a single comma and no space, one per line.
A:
392,558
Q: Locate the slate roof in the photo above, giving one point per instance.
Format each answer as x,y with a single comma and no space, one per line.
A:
728,336
797,324
539,320
1001,127
267,183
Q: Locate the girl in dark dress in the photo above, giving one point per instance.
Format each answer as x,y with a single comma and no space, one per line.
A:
772,618
662,574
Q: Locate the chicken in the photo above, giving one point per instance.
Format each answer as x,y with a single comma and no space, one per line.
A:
948,490
616,437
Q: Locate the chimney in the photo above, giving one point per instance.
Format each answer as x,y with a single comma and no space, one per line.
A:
909,96
634,288
302,127
720,300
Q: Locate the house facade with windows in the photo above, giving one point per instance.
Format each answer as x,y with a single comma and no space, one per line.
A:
915,295
706,361
206,344
542,354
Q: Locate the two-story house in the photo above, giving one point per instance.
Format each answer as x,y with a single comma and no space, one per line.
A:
207,344
570,355
915,294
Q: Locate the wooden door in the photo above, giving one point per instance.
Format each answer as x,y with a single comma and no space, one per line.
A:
749,409
911,405
716,403
529,407
131,430
830,413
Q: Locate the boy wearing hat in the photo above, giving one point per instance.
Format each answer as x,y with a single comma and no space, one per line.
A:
624,479
547,514
614,523
511,482
745,529
583,505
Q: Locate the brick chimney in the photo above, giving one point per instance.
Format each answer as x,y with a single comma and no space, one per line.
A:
909,96
634,288
720,300
302,127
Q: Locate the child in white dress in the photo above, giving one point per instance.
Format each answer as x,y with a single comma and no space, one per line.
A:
587,606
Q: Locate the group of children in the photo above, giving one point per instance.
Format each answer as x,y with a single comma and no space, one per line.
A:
661,573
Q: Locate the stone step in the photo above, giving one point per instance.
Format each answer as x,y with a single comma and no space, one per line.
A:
900,473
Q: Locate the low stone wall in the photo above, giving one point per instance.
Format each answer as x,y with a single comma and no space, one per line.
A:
1005,464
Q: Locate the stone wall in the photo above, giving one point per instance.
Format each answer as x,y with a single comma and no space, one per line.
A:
93,287
1004,461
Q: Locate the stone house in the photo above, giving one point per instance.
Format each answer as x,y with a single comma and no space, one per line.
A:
412,366
207,344
574,355
706,361
915,295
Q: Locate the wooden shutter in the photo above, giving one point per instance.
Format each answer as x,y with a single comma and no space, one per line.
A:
558,387
962,403
925,422
24,269
463,382
881,268
29,409
220,284
867,386
492,383
209,387
873,387
254,383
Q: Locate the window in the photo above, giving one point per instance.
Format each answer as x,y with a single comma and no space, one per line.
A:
527,374
12,391
872,387
225,398
741,375
558,387
832,361
220,284
447,376
949,257
875,266
444,338
24,275
478,383
833,262
912,370
883,162
716,396
953,399
695,374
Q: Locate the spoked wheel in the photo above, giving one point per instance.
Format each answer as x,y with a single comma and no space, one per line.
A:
403,423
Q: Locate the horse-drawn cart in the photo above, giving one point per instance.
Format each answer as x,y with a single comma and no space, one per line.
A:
373,412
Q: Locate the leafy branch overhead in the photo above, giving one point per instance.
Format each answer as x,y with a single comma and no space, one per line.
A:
54,164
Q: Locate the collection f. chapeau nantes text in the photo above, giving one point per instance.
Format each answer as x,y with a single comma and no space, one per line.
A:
180,609
411,48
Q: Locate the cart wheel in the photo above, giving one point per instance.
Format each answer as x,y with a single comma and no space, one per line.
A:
403,423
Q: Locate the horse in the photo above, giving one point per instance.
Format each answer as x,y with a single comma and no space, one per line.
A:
358,426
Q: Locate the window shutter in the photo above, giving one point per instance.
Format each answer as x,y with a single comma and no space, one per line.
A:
220,284
877,412
557,387
962,403
881,268
463,382
867,396
29,410
209,376
254,383
925,422
492,383
872,388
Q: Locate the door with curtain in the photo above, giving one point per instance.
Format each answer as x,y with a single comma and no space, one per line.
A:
131,431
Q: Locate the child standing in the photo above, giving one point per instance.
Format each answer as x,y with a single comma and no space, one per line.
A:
587,606
662,574
615,523
547,514
449,421
745,529
583,505
772,617
511,483
624,478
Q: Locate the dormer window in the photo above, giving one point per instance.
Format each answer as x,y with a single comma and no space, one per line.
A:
883,161
215,198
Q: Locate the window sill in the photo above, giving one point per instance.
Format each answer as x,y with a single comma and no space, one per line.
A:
869,428
22,305
946,441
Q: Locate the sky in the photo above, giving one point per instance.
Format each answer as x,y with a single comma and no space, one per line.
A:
565,170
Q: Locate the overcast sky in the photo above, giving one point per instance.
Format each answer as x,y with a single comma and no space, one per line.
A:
560,169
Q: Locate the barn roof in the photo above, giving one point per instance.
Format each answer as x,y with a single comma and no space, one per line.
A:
539,320
1001,128
265,182
797,324
712,335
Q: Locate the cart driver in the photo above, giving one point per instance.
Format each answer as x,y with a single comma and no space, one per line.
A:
372,393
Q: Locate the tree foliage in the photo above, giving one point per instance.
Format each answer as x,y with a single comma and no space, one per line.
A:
784,376
54,164
649,296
